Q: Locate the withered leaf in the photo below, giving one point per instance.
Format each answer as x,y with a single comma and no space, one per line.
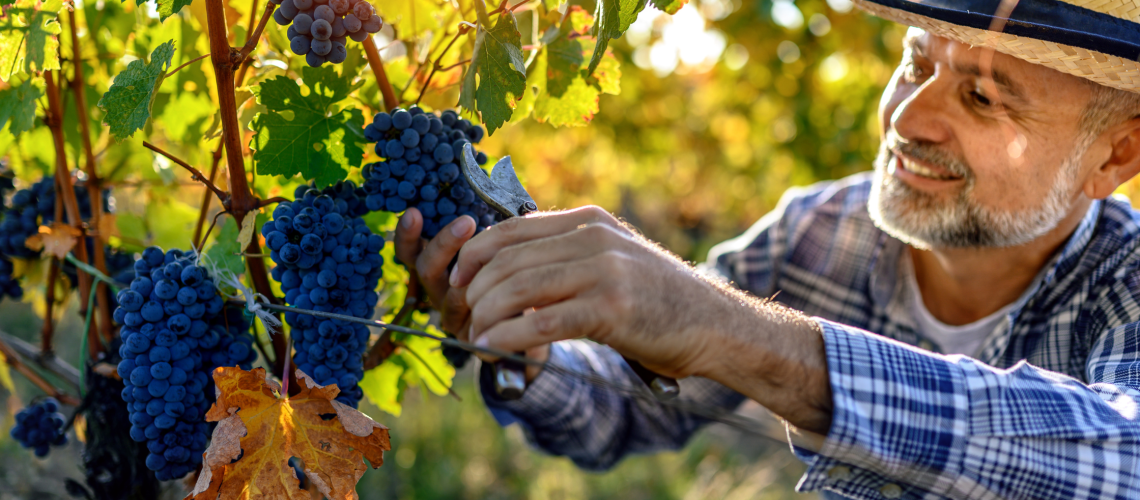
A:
258,431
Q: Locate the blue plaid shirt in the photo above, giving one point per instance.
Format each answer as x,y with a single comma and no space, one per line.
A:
1048,410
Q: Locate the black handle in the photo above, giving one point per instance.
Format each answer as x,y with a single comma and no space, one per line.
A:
663,387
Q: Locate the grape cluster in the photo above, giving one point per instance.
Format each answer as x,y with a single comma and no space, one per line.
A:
173,336
318,29
40,426
9,285
34,207
421,168
328,260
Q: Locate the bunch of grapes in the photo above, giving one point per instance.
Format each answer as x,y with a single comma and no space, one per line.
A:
421,168
9,285
40,426
328,260
34,207
171,336
319,28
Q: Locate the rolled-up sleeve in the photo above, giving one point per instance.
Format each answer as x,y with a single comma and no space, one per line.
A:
912,424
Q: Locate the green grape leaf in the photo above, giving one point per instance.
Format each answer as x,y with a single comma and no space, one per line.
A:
564,58
18,106
384,386
669,6
612,18
307,134
167,8
28,40
498,60
128,102
607,77
425,360
226,251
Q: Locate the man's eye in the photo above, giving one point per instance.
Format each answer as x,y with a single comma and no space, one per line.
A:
980,100
913,72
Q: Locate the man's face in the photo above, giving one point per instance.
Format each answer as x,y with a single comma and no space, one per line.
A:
955,168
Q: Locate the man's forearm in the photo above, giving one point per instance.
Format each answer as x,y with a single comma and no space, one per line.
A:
775,356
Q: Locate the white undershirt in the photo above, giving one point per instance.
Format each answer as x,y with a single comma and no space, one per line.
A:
964,339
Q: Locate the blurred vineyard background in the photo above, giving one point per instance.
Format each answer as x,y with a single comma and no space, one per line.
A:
722,107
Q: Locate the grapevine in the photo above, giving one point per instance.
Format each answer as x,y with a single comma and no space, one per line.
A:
305,203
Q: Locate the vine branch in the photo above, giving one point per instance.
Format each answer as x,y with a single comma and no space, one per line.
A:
242,202
377,66
14,360
196,174
54,118
94,184
251,42
463,29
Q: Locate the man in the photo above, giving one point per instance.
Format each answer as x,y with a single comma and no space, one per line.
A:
985,234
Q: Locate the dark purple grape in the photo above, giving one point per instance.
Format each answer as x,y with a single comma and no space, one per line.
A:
372,25
340,6
303,23
338,54
280,18
324,12
338,27
313,59
300,44
321,30
359,36
321,47
351,23
363,11
303,4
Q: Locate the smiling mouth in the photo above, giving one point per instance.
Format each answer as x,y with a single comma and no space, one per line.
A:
921,170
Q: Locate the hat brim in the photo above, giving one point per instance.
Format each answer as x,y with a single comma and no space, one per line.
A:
1092,45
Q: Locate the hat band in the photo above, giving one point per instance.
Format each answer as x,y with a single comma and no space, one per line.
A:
1039,19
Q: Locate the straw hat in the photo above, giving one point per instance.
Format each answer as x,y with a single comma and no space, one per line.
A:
1094,39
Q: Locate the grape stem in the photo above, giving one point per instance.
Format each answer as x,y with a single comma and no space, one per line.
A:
13,359
49,302
205,210
53,116
185,64
251,43
94,183
275,199
456,65
463,29
46,361
195,173
430,370
377,66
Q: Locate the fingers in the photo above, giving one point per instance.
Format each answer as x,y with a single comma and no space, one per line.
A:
532,287
564,320
520,229
432,262
578,244
407,240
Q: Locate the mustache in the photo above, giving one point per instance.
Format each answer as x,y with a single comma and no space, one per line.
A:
929,153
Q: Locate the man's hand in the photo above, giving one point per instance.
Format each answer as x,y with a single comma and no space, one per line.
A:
586,274
428,260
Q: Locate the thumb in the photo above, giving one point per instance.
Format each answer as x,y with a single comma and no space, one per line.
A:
407,239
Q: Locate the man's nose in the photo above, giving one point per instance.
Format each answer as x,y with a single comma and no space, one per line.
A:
925,115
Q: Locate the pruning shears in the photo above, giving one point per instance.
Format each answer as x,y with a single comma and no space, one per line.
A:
503,192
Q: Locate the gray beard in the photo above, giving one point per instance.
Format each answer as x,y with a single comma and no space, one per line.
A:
926,222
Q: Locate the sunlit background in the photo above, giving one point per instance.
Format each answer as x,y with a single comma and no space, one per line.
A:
723,106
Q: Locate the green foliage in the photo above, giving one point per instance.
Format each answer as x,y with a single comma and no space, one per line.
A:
226,251
18,106
612,18
128,102
167,8
27,37
498,61
316,135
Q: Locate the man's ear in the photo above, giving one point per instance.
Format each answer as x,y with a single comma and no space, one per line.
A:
1123,160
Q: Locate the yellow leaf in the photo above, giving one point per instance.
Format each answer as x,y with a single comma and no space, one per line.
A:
259,431
5,375
56,240
108,228
248,229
